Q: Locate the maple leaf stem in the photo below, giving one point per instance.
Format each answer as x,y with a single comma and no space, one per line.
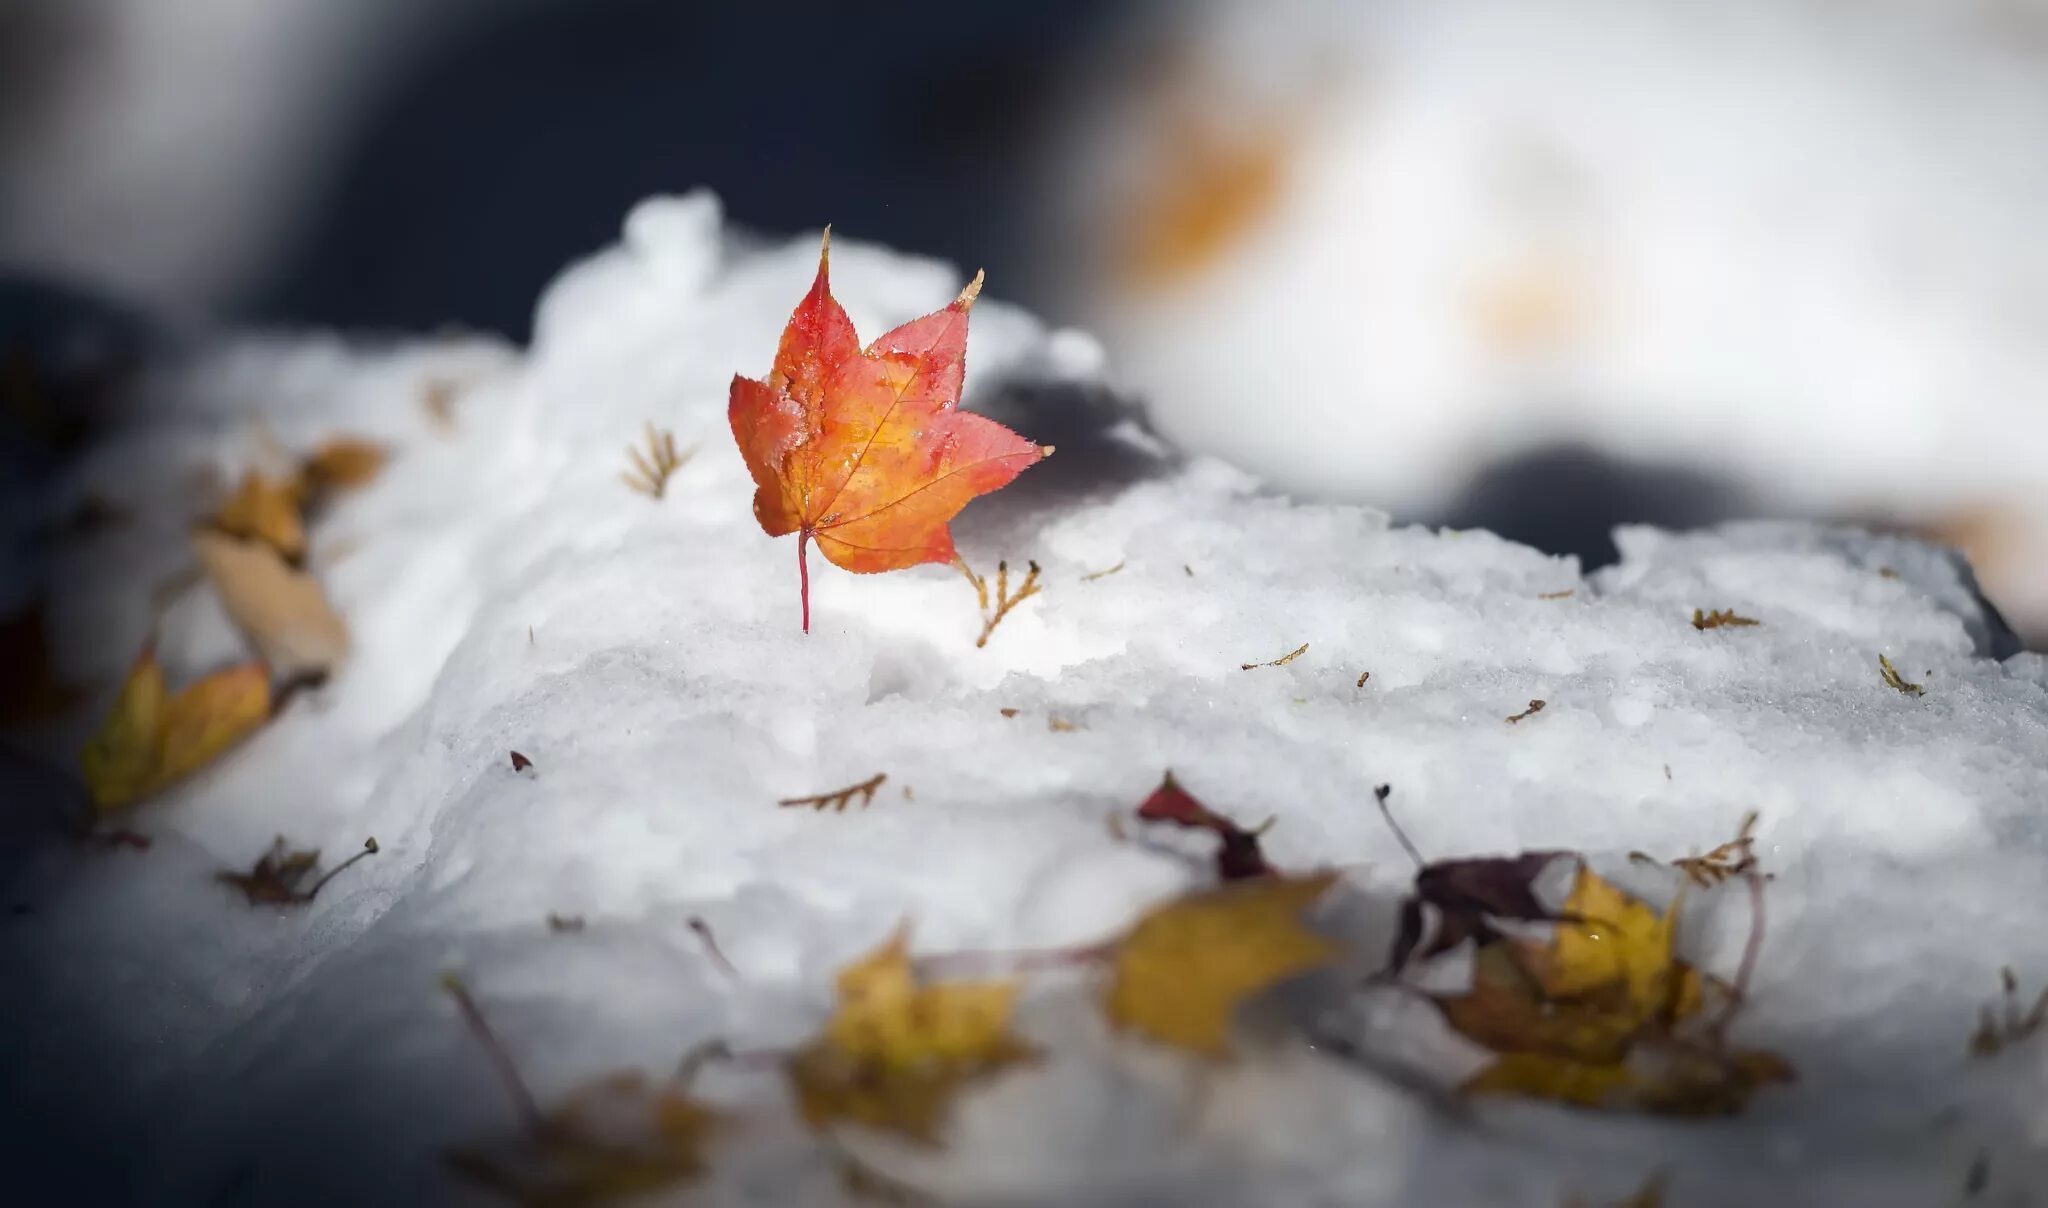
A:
530,1115
369,849
803,574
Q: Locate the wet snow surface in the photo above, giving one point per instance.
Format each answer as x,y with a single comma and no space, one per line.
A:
505,591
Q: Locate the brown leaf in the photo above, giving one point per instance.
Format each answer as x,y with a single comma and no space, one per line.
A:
520,762
279,608
276,878
342,463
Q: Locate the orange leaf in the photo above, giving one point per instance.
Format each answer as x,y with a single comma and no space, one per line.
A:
861,449
151,739
268,511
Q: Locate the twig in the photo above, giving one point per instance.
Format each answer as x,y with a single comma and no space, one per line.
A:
1535,707
515,1086
1004,601
1556,595
1894,679
1380,794
711,948
369,849
1102,574
1739,990
839,799
1733,858
1282,661
651,470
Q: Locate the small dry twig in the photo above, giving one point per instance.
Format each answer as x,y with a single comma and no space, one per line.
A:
1894,679
1721,618
1535,707
1730,859
1997,1030
275,879
650,471
839,799
1282,661
1004,601
1059,725
1102,574
711,948
1557,595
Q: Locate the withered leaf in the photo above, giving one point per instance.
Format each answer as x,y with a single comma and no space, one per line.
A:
1237,852
342,463
152,739
267,510
1180,974
1721,618
838,799
897,1050
1893,679
278,607
279,873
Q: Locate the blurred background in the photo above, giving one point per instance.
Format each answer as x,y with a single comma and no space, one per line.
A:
1541,268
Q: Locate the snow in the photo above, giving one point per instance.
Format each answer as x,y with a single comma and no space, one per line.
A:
1788,243
505,591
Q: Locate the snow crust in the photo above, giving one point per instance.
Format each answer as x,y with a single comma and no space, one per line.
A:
505,591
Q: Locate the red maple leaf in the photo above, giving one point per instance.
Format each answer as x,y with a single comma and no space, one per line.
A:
860,449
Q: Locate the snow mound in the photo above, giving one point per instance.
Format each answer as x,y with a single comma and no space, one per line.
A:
506,592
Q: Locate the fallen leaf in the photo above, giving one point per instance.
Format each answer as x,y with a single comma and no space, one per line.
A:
897,1051
614,1140
1183,970
1998,1030
1282,661
151,739
276,878
1535,707
1730,859
342,463
1237,853
1895,680
278,607
1665,1078
1721,618
1466,894
520,762
862,450
267,510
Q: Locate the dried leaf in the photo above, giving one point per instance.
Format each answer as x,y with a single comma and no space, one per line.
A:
1535,707
1720,618
1282,661
276,878
1998,1030
343,463
1663,1078
1004,601
279,608
152,739
612,1141
1467,895
266,510
1181,973
650,470
897,1051
1237,854
1895,680
1730,859
862,450
520,762
838,799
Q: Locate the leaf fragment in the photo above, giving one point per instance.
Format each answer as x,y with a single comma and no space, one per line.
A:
1535,707
152,739
838,799
1282,661
1721,618
277,606
1004,601
1893,679
650,471
267,510
1998,1030
897,1050
1731,859
342,463
520,763
1181,973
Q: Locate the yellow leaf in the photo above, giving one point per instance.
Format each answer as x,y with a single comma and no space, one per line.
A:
619,1138
209,716
1507,1010
344,461
149,741
1665,1078
1613,940
896,1051
1183,970
121,759
265,510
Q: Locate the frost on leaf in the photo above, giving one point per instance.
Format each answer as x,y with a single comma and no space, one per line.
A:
991,616
862,449
612,1141
838,799
2008,1025
898,1050
152,739
1721,618
1237,851
1180,974
1893,679
649,472
279,873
